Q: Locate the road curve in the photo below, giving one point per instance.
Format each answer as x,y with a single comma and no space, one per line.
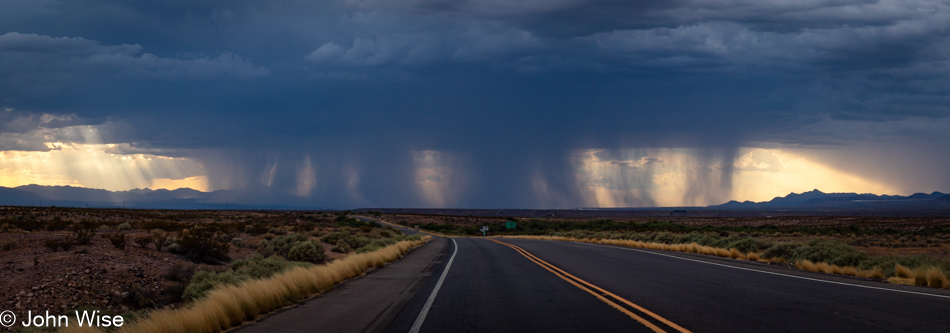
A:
494,288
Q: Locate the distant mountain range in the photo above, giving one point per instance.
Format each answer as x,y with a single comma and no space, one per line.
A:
259,196
816,199
250,197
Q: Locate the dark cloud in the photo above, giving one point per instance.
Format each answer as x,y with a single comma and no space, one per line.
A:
513,89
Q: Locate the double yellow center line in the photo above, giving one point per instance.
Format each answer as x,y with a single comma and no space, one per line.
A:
601,294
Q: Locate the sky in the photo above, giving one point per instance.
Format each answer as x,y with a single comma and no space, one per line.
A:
479,103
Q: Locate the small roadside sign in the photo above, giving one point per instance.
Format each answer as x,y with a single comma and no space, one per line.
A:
510,225
483,230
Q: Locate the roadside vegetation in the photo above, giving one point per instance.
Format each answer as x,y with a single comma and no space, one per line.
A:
847,249
230,304
134,262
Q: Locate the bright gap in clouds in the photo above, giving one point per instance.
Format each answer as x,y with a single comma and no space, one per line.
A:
99,166
667,177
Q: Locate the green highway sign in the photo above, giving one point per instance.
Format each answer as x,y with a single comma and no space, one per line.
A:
510,225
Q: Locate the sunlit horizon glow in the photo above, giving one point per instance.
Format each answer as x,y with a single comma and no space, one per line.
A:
96,166
669,177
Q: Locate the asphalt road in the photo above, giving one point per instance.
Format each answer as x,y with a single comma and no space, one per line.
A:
491,287
513,285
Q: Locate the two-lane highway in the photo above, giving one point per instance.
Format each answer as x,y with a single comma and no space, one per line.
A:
494,287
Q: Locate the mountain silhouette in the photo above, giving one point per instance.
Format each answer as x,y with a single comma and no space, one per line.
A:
256,196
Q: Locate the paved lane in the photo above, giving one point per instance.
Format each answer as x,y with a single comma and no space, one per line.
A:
712,298
493,288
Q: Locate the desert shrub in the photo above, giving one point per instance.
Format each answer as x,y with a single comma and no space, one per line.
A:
57,244
158,238
781,250
307,252
829,251
663,237
763,244
357,242
334,237
341,247
280,245
693,237
142,241
176,277
744,245
174,248
380,233
283,246
255,228
7,244
57,223
117,239
237,241
83,232
124,226
203,243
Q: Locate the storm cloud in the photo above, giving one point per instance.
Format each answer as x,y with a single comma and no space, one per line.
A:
485,103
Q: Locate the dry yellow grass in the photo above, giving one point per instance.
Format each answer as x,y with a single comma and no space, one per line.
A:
754,257
689,248
937,279
230,305
903,272
806,265
900,280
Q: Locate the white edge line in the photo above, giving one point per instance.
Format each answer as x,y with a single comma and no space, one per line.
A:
435,292
767,272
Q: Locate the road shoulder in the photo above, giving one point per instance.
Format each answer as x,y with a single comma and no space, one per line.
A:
365,304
